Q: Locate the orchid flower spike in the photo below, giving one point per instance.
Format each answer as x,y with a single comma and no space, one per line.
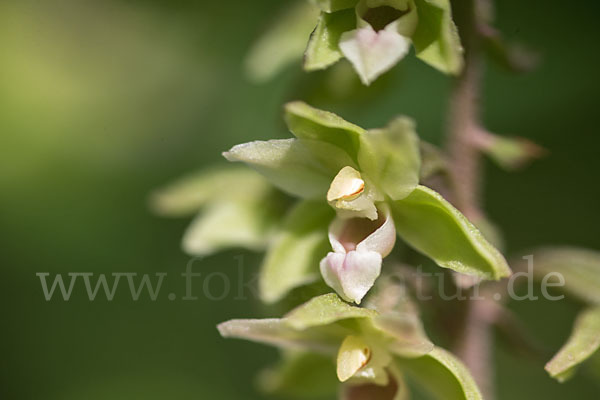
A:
359,246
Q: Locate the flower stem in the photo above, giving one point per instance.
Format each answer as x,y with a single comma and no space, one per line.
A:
474,344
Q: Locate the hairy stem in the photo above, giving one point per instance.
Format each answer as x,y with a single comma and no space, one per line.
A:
463,117
474,344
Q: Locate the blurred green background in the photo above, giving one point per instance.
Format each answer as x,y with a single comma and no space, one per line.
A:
103,101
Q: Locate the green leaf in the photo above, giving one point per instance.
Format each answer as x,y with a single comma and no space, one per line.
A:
245,222
323,44
286,163
300,375
334,5
187,195
583,342
283,43
293,258
442,375
310,123
434,227
391,157
436,39
579,267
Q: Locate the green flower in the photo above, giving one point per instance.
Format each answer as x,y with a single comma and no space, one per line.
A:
234,207
371,180
374,35
372,349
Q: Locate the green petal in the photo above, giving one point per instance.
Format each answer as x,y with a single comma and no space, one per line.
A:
323,49
334,5
583,342
293,258
310,123
436,39
434,227
300,375
286,163
579,267
391,157
324,310
442,375
232,223
283,43
188,194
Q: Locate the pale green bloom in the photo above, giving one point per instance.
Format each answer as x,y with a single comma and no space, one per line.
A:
371,179
370,347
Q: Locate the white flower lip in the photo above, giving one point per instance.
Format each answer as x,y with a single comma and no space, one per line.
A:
359,246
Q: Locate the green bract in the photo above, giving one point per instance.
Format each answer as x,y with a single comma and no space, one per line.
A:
433,226
584,341
452,380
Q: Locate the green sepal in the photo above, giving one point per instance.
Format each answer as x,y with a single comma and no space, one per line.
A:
317,325
323,49
334,5
287,164
582,344
293,258
391,157
442,375
324,310
436,38
427,222
322,323
310,123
